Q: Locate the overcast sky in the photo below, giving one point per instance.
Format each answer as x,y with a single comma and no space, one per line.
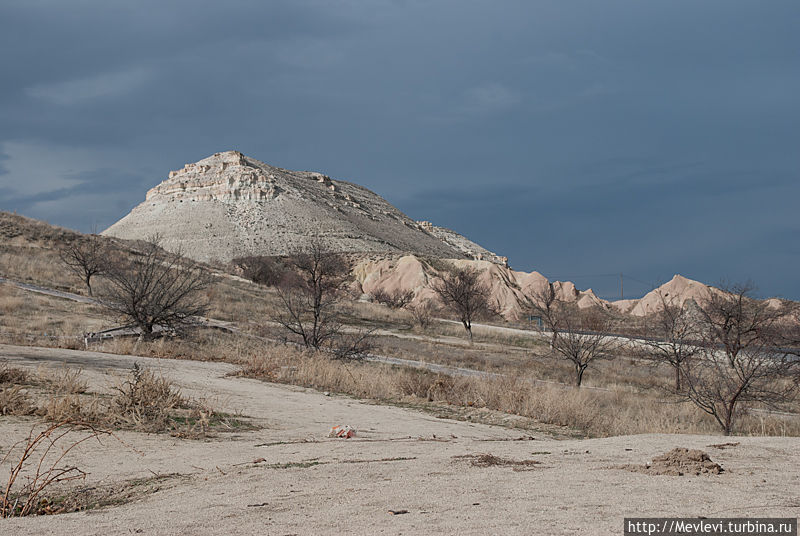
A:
579,138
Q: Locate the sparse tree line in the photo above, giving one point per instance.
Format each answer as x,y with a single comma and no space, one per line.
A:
726,354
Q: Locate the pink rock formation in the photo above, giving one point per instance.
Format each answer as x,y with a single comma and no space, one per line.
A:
676,292
510,290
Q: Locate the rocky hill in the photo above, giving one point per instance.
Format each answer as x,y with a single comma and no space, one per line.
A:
229,205
511,290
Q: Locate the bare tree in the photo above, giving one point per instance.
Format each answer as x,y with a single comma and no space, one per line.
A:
309,294
545,305
461,290
157,290
422,312
87,257
742,358
581,348
675,339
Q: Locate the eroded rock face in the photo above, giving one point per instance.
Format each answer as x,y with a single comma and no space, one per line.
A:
461,243
223,177
511,290
229,205
675,292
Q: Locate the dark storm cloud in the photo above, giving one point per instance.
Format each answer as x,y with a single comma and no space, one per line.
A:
573,137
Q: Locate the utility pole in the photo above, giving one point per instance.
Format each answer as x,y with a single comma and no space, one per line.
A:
621,294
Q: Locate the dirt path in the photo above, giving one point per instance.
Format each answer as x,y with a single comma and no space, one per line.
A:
400,460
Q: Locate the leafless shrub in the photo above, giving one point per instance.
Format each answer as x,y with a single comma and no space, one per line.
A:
581,348
87,257
461,290
353,346
309,295
397,299
43,454
742,357
422,313
578,337
260,269
158,290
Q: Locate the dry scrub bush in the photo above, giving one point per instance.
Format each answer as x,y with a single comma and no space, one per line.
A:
13,375
396,299
145,401
15,401
42,463
422,313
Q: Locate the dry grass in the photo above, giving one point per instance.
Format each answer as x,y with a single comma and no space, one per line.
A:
43,320
144,402
72,407
632,398
14,400
591,412
14,397
66,381
490,460
13,375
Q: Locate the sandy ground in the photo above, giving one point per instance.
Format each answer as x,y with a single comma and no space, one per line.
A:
401,460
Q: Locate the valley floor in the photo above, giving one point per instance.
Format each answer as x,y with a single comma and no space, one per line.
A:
289,477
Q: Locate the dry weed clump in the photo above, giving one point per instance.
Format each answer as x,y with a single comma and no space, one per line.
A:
14,398
13,375
42,463
15,401
72,407
67,381
145,401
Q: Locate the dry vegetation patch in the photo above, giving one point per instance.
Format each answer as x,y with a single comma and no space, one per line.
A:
490,460
144,402
587,412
